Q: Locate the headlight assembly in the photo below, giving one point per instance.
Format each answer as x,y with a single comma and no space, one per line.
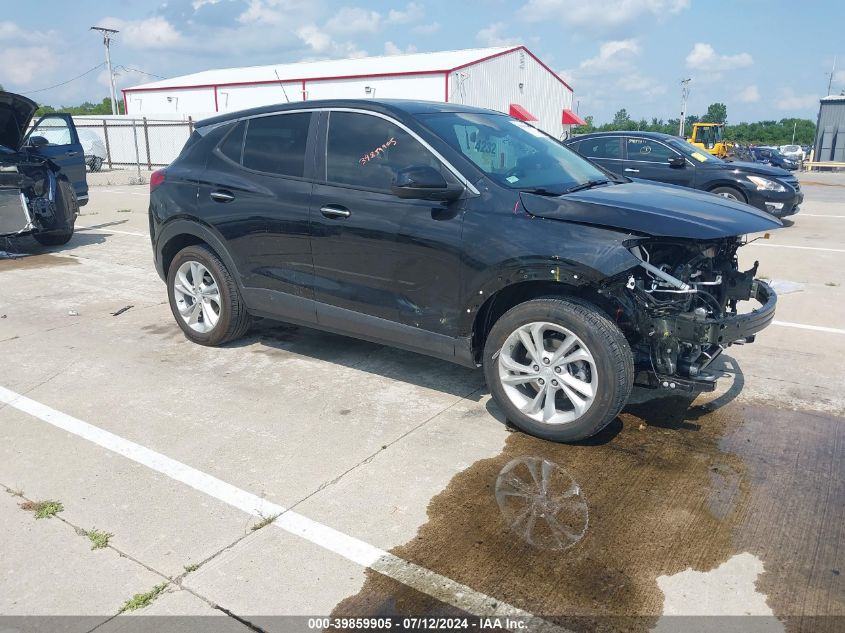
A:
764,184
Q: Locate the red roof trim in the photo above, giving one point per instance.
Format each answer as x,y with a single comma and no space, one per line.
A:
518,112
570,118
367,76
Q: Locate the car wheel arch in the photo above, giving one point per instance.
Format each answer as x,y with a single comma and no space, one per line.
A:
513,294
179,234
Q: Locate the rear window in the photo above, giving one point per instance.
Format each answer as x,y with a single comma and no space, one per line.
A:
276,144
232,145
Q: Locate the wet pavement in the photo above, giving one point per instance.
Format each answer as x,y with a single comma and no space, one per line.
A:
668,486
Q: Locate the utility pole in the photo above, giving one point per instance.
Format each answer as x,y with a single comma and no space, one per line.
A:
684,97
107,35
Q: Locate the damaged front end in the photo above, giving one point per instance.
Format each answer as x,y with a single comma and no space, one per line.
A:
683,304
29,196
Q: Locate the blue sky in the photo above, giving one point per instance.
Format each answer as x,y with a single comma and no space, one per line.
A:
764,59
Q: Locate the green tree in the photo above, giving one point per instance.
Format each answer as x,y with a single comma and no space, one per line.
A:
621,120
86,107
716,113
584,129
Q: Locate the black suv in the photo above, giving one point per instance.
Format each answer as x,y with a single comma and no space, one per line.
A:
463,234
672,160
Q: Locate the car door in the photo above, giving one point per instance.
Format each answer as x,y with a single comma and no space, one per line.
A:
605,151
653,160
377,256
255,192
54,136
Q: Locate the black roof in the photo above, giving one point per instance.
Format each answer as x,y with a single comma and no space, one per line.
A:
385,106
659,136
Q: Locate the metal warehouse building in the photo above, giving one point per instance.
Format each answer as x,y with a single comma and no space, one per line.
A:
830,142
508,79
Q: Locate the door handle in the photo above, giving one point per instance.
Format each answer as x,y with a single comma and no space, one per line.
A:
335,211
222,196
71,153
632,171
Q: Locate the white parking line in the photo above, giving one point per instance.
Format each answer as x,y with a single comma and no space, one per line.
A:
424,580
817,328
805,248
820,215
97,229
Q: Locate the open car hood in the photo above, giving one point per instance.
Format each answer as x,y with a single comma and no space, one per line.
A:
655,210
16,111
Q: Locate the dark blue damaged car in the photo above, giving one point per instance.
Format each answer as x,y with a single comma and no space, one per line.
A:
463,234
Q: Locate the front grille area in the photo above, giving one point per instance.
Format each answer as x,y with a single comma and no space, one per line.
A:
792,182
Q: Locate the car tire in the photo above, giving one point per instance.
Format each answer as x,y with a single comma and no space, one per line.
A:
730,193
66,209
96,163
586,393
204,298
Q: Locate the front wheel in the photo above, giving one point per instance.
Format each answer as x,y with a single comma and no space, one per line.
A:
730,193
560,370
204,297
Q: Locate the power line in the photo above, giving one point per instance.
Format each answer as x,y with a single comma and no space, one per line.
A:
136,70
64,83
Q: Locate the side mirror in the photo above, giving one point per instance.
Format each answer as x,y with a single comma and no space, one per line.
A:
422,182
677,161
37,141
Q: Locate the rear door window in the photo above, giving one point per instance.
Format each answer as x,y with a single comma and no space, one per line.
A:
367,151
276,144
648,150
602,147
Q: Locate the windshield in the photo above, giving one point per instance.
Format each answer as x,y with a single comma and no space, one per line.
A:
690,150
514,154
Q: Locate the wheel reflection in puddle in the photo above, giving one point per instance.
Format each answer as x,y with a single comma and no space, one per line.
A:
542,503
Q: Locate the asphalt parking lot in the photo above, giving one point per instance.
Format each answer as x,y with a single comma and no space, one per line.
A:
372,473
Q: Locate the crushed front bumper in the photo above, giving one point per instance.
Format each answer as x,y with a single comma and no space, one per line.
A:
713,335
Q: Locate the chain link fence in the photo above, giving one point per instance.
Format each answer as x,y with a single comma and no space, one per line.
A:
129,143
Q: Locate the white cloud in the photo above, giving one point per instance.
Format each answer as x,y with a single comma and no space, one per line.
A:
10,31
614,56
155,32
599,14
198,4
353,20
704,57
412,13
392,49
427,29
317,39
492,36
274,12
23,64
749,94
790,101
641,84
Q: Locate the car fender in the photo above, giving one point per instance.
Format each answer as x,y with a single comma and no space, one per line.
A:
178,226
587,264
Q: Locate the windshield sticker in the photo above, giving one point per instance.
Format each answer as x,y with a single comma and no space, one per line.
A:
512,179
378,151
531,130
699,157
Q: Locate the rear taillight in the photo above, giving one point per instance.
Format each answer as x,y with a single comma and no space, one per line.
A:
156,178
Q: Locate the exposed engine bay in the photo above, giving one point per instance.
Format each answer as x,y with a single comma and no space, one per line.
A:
33,197
683,305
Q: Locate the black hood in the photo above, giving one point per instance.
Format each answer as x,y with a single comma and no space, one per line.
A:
655,210
758,169
16,112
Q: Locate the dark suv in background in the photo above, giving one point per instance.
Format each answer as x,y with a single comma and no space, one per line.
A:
463,234
669,159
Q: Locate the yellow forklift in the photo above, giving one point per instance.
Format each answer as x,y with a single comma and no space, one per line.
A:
710,137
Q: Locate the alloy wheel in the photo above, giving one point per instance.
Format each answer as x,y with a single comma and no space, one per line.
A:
548,373
197,296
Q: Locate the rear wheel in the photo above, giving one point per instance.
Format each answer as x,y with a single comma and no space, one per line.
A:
560,370
204,297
